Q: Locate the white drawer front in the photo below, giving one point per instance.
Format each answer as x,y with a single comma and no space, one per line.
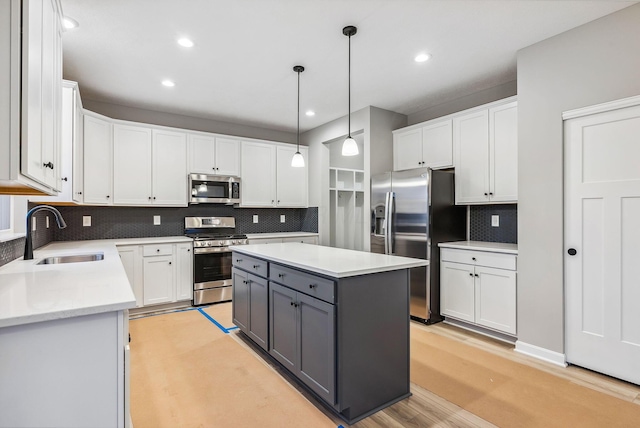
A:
157,250
479,258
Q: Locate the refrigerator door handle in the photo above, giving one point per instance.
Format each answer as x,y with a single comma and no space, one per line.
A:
386,223
390,226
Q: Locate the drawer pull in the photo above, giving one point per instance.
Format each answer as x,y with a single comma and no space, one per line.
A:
291,303
238,260
280,275
244,282
256,266
312,286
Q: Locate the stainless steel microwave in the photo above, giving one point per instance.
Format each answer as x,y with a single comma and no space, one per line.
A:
214,189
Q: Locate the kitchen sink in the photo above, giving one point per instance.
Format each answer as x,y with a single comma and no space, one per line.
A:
72,259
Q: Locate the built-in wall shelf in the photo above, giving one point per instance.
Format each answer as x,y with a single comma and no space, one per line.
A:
346,201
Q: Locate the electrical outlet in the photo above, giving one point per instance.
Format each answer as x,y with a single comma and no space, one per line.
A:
33,223
47,221
282,218
495,220
86,220
255,218
156,220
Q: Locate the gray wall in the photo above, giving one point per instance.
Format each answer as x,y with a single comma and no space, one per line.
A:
591,64
134,114
496,93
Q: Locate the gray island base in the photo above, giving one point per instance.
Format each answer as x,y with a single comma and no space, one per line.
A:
337,320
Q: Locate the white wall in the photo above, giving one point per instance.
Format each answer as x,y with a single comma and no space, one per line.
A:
134,114
591,64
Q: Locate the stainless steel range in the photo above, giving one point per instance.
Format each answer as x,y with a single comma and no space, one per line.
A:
212,236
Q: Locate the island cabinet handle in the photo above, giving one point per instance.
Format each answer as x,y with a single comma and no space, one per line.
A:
280,275
295,305
313,285
238,260
256,266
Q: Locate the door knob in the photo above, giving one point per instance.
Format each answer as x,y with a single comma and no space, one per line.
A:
572,251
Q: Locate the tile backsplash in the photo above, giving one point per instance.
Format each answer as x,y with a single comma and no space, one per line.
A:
480,228
13,249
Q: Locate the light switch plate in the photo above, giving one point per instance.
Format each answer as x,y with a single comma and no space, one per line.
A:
282,218
255,218
47,221
156,220
495,220
33,223
86,220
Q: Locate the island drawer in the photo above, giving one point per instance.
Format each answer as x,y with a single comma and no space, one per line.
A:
157,250
303,282
250,264
479,258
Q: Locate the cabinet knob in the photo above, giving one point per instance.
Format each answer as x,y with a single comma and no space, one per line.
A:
64,179
477,275
107,196
238,260
79,193
169,262
572,251
158,250
256,266
486,194
470,274
149,197
291,303
280,275
48,165
473,258
188,249
490,193
154,198
312,286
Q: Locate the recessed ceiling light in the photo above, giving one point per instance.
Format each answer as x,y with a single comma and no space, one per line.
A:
187,43
310,113
168,83
422,57
69,23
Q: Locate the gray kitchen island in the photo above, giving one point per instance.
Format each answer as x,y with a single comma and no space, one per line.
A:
337,320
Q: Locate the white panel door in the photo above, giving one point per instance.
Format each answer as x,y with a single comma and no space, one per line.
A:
437,144
169,170
258,175
98,161
131,165
227,156
291,183
496,298
503,153
471,145
602,230
159,280
407,150
201,154
457,293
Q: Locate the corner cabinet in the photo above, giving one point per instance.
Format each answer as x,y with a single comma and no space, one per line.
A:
479,287
486,154
269,180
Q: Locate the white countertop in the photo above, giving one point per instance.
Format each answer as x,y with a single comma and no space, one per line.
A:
329,261
494,247
280,235
32,293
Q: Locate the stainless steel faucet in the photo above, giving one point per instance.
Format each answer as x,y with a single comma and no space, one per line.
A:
28,245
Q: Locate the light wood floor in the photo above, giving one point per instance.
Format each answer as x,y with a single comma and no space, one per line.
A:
425,409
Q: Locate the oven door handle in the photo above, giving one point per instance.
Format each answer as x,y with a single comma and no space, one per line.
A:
205,250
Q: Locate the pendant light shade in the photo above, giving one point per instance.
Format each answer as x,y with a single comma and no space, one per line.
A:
297,161
349,147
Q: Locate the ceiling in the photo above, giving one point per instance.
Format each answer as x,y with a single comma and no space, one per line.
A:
240,69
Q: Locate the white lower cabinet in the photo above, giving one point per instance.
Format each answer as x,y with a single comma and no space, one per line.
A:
69,372
159,273
479,287
311,239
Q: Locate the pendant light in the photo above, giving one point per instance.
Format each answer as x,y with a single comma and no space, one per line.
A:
297,160
349,147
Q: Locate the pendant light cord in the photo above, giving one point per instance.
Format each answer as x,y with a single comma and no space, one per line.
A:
349,110
298,138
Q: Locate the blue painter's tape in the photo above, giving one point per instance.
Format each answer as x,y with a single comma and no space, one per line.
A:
217,324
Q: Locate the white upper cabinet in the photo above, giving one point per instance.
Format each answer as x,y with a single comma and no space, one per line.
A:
98,161
30,96
291,183
486,154
269,180
169,169
427,145
213,155
149,167
258,187
131,165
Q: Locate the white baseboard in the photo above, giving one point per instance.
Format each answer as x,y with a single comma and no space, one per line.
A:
541,353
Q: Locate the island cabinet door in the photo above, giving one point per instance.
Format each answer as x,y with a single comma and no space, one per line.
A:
240,301
258,310
282,325
316,345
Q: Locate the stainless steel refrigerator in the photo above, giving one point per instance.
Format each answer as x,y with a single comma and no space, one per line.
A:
411,212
